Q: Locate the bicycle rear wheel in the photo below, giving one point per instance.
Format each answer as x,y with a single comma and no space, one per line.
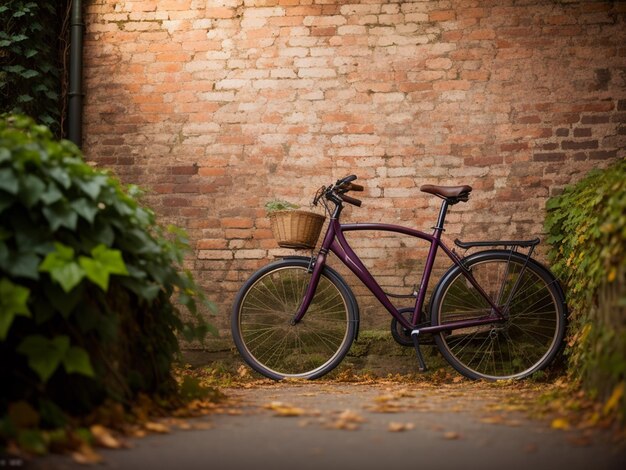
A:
526,342
274,347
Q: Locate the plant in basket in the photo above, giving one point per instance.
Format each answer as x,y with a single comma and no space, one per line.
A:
293,228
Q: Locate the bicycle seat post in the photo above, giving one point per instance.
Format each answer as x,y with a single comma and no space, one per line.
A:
441,219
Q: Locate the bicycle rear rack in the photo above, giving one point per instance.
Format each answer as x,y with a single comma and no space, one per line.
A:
512,243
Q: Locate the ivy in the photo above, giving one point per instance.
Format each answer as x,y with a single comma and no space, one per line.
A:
13,302
46,355
92,293
30,65
587,229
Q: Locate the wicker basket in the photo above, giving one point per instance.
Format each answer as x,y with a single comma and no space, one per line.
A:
296,229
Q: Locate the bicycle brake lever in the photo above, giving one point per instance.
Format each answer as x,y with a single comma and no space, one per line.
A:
318,195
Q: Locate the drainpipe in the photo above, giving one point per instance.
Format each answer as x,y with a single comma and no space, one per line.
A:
75,94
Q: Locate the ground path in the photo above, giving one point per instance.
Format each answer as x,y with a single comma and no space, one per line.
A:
377,425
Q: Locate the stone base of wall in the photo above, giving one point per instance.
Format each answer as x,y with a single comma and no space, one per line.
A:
375,353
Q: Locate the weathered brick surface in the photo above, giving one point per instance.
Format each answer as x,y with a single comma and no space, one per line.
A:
215,106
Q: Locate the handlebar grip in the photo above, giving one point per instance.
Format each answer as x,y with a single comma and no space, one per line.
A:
355,187
351,200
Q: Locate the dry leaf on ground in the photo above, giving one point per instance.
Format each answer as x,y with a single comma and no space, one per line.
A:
400,427
104,438
348,420
284,409
156,427
451,435
560,423
85,455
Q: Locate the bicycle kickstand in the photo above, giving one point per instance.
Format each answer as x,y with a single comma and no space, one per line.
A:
420,358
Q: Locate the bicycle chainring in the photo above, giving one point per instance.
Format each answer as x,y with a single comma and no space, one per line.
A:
402,336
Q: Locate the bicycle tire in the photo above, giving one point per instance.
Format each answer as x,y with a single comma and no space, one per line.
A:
264,307
531,337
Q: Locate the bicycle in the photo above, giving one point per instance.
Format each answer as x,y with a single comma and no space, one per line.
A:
495,314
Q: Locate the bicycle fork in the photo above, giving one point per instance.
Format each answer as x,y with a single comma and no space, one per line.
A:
315,268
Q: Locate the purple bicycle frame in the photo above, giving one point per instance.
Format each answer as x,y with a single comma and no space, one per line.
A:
336,242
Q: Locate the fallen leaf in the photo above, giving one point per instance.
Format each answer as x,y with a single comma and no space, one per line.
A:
283,409
243,372
139,433
156,427
348,420
85,455
350,415
451,435
104,438
497,419
384,398
560,423
400,427
387,407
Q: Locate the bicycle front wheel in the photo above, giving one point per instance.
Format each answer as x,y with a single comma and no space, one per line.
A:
530,337
262,314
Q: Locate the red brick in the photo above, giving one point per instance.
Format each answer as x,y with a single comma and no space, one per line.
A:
236,222
220,12
442,15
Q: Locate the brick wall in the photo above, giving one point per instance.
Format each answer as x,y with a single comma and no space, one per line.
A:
217,106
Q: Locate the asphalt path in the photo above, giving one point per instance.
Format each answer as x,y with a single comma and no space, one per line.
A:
329,426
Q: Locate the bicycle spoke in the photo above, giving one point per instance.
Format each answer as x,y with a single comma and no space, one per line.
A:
508,348
269,337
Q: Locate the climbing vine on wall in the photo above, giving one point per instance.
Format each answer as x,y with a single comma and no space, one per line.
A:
587,228
32,51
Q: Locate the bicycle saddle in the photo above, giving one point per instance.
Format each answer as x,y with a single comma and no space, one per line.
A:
448,192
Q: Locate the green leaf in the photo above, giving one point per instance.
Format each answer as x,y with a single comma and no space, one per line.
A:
91,187
52,194
62,267
60,301
32,441
25,99
61,214
76,360
31,189
5,155
87,210
29,73
105,262
144,289
8,182
100,233
44,355
30,238
553,203
61,176
23,265
13,302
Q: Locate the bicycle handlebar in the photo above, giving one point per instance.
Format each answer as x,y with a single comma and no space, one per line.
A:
351,200
355,187
337,192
